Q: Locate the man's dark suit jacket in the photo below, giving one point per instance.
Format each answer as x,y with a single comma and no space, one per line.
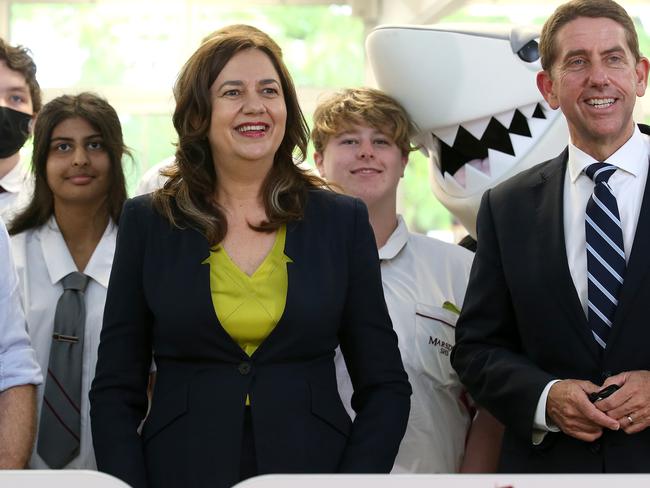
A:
159,299
522,325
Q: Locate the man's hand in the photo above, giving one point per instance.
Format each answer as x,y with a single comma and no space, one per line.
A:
569,408
630,405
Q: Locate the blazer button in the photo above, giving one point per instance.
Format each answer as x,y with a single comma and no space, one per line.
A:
244,368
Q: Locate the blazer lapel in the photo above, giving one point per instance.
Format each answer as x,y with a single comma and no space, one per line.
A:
552,248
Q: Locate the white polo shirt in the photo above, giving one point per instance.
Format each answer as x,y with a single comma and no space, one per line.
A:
42,260
419,275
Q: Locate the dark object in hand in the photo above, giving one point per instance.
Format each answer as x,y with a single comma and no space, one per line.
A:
602,394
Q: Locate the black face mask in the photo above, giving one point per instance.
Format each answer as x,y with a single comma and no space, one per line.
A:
14,131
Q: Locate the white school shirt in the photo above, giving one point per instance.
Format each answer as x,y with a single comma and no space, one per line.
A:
628,186
19,186
419,274
42,260
18,364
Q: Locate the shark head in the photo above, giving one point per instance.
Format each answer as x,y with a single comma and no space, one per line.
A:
472,93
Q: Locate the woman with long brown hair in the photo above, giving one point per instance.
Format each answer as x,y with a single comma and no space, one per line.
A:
241,276
64,237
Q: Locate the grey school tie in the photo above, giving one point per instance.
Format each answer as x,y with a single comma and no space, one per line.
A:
59,427
605,253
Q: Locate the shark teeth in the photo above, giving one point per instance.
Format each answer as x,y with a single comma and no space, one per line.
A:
537,127
477,127
521,144
477,152
528,110
454,182
545,106
505,118
448,135
500,162
475,177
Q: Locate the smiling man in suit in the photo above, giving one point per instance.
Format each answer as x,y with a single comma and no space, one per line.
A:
556,307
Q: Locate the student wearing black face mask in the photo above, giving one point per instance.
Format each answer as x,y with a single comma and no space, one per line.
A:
20,101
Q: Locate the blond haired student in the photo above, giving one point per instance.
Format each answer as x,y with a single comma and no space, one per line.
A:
362,142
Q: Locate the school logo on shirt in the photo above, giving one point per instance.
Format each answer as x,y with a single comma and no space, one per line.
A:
444,347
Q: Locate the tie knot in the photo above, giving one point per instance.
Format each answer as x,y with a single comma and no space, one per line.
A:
75,281
600,172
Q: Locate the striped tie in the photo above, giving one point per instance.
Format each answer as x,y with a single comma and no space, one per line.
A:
605,253
60,424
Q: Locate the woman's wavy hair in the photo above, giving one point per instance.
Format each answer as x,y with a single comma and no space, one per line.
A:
102,116
187,198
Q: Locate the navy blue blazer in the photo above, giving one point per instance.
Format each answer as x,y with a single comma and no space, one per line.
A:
522,325
159,301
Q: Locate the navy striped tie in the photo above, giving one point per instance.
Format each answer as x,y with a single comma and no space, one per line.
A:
605,253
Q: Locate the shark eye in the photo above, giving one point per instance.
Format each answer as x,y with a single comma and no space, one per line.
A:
530,52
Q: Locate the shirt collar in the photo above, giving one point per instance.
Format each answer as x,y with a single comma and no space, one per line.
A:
396,241
631,157
99,266
14,181
59,262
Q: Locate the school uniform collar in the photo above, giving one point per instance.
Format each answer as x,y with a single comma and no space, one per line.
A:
396,241
58,259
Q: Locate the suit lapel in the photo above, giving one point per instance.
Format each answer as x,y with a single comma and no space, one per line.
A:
638,265
552,247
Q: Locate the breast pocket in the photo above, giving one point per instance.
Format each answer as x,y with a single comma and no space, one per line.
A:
435,330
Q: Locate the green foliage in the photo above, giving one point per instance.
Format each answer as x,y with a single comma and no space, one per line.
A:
322,45
155,136
324,48
644,38
105,47
421,210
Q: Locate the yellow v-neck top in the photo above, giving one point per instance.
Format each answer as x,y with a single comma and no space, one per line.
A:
249,307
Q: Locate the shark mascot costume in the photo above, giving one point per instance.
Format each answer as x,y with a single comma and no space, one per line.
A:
472,93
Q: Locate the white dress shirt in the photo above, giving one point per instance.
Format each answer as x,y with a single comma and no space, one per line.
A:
419,274
18,185
42,260
18,364
628,186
